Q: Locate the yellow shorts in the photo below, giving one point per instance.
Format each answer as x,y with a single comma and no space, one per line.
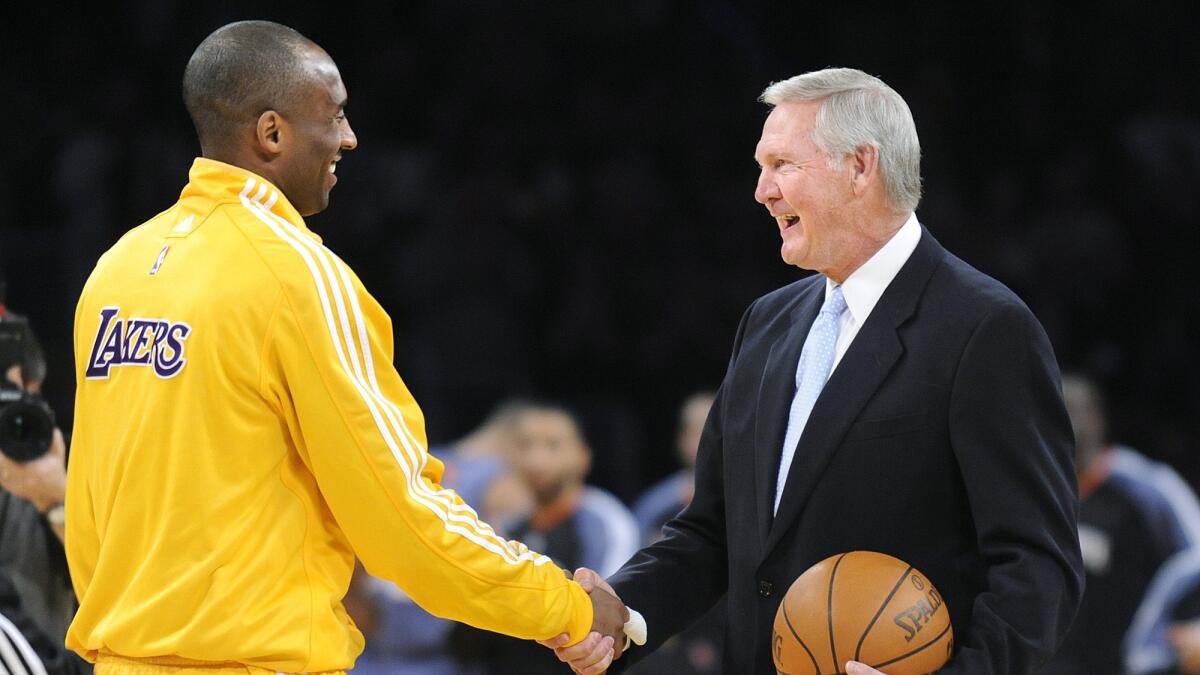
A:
116,665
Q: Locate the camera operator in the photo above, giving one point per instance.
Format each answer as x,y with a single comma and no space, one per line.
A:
36,598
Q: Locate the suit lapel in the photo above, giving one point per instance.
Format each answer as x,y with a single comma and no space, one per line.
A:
775,392
871,356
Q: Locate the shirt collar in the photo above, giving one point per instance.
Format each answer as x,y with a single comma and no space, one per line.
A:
210,179
863,288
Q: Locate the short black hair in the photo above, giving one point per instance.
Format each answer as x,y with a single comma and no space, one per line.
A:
541,405
239,72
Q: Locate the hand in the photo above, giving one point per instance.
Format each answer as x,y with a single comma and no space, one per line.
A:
1185,638
42,481
606,642
856,668
590,656
609,613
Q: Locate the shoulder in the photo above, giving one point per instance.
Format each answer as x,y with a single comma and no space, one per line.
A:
784,299
308,273
132,240
960,290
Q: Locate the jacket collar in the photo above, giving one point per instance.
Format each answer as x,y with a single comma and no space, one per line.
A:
214,181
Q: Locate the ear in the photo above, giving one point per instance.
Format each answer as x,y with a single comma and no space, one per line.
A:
270,133
864,168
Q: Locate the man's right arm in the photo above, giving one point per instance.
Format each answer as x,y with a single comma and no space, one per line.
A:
328,371
679,577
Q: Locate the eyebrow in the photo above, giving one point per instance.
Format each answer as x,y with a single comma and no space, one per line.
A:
767,156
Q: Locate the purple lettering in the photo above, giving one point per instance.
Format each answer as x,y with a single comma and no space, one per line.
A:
137,342
97,366
169,365
136,338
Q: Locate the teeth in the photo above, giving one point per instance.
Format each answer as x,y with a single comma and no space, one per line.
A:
332,166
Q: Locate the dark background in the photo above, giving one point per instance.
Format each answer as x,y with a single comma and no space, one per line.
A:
556,198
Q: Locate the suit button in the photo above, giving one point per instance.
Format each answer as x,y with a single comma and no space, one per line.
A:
765,588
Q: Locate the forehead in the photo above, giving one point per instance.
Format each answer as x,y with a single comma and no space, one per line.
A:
547,423
323,80
788,129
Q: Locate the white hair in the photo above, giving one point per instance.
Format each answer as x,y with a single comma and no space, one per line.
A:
858,109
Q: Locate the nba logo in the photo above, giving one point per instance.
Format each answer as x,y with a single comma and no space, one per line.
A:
162,255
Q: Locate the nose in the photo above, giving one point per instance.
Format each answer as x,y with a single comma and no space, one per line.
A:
349,140
766,191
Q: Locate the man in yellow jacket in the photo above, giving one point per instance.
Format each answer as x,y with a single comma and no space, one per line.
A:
240,431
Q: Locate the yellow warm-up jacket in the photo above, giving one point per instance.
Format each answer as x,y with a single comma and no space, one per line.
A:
241,434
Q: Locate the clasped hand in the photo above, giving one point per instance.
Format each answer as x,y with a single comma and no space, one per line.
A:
606,641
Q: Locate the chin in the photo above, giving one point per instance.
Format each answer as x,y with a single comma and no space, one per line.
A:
793,257
313,208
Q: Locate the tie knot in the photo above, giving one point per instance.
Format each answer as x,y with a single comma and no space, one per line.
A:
835,304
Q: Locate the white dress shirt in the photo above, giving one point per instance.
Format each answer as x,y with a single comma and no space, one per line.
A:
863,288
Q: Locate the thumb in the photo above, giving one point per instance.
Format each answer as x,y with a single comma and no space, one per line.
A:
587,578
557,641
856,668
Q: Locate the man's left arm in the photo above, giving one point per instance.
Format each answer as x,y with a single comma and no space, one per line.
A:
1011,435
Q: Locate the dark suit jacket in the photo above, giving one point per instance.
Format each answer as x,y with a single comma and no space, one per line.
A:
940,438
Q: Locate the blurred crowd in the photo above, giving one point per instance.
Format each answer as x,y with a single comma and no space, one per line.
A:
553,201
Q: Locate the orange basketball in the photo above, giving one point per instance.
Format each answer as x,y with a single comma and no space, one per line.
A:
861,606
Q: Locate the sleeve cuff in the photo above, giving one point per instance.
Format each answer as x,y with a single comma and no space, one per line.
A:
635,628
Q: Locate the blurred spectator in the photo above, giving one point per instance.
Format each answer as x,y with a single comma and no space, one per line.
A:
402,637
35,589
1134,515
575,524
478,467
666,498
1165,636
698,649
25,648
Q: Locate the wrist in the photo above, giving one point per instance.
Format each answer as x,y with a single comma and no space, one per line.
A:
55,514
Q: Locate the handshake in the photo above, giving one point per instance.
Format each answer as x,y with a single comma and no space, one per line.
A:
608,637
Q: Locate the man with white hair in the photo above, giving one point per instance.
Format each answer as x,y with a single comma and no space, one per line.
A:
896,401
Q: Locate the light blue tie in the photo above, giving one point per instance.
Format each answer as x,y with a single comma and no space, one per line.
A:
816,360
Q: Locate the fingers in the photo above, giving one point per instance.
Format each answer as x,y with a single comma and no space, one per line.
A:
596,668
557,641
591,656
856,668
580,650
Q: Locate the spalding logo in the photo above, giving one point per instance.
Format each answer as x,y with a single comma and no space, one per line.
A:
137,342
914,618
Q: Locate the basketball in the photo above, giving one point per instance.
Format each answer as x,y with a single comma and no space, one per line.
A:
861,606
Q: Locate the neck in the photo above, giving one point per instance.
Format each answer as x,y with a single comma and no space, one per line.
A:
549,514
873,237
